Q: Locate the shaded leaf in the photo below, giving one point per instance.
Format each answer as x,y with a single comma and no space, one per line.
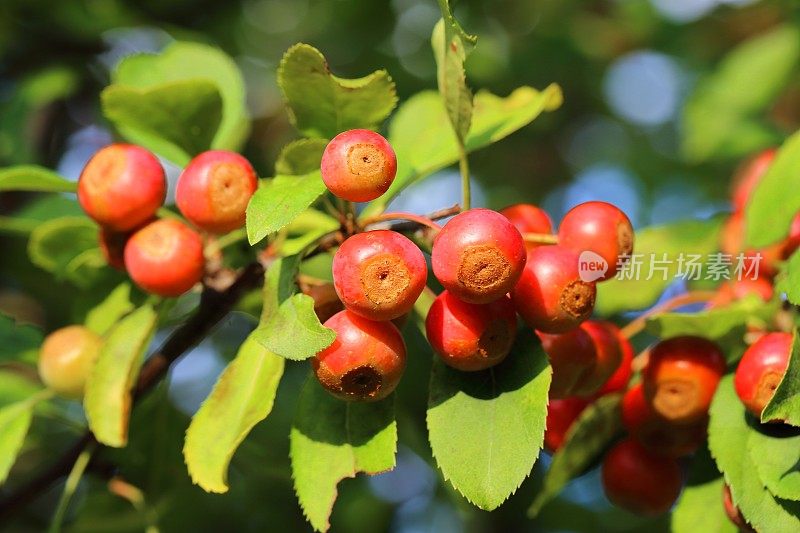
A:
424,143
182,61
699,507
785,403
279,201
728,434
242,397
15,419
54,243
34,178
657,243
177,120
775,451
486,428
108,396
19,342
302,156
331,440
323,105
588,436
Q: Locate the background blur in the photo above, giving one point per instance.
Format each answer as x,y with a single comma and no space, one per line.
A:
626,67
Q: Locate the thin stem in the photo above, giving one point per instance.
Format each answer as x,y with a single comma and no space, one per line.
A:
70,486
636,325
419,219
540,238
463,167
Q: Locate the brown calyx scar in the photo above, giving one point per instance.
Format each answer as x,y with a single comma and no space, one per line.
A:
577,298
675,399
365,160
495,341
483,268
384,279
766,386
624,239
363,381
227,188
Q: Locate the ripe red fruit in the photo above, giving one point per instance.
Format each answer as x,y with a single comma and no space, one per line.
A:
561,414
326,301
733,512
528,218
749,175
608,353
471,336
165,257
598,227
358,165
214,190
66,358
366,360
478,256
654,432
761,370
681,377
792,242
732,243
122,186
639,481
112,245
572,357
738,289
620,378
379,274
550,295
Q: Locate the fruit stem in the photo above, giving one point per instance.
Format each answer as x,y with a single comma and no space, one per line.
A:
411,217
70,486
463,167
636,325
540,238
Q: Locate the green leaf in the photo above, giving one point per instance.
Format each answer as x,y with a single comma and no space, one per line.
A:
117,304
323,105
289,327
451,45
588,436
34,178
19,342
486,428
785,403
331,440
53,244
15,419
306,229
242,397
699,507
299,157
775,451
279,201
177,120
424,142
769,213
685,237
108,398
714,113
182,61
728,434
790,283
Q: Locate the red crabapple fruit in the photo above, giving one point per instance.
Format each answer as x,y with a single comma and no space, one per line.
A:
358,165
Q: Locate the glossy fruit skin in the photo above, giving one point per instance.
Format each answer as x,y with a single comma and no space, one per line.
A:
681,377
112,245
601,228
749,175
358,165
639,481
122,186
214,190
379,274
572,357
550,295
528,218
654,432
66,358
761,369
619,379
471,337
561,414
478,256
165,257
608,353
365,362
733,512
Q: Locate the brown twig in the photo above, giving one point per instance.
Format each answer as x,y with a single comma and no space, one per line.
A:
637,325
214,306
